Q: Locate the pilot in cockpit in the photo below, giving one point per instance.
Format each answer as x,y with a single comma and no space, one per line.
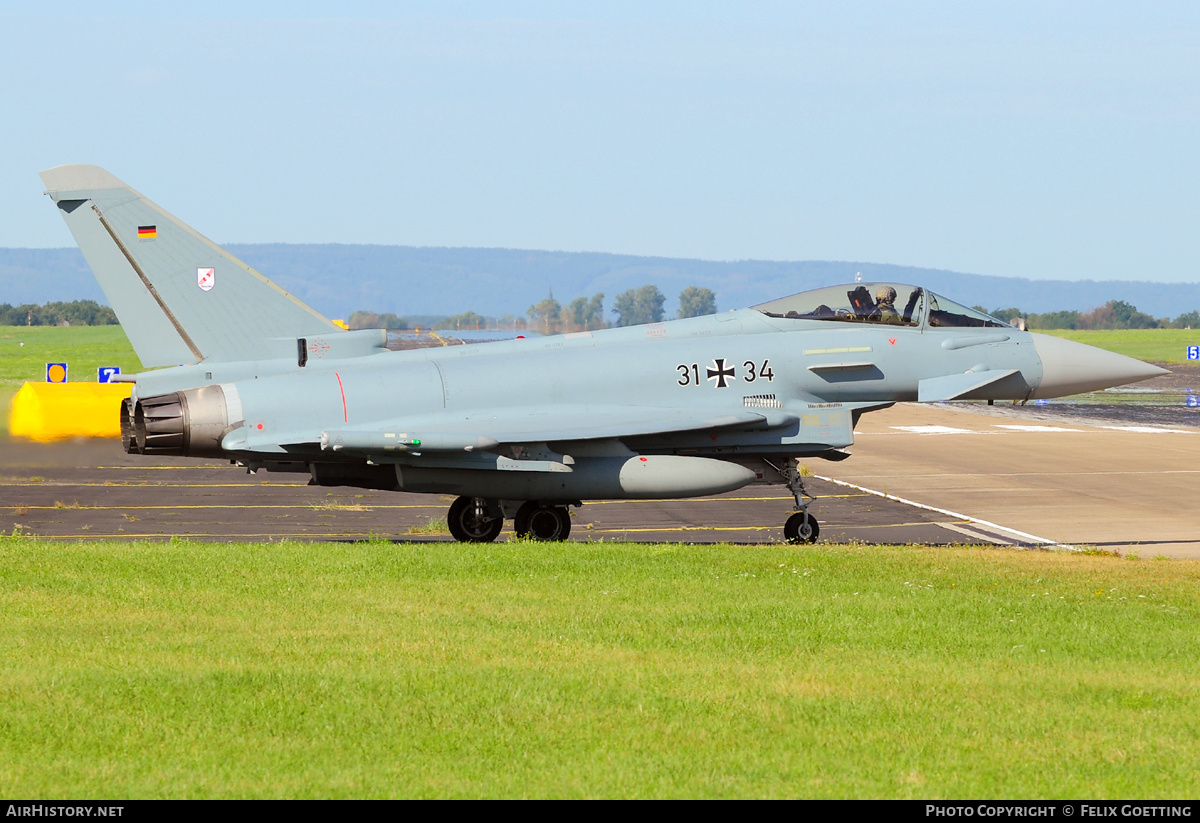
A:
885,306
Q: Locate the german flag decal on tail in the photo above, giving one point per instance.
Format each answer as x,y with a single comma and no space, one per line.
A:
147,232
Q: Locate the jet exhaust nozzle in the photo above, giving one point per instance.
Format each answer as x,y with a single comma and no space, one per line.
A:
187,423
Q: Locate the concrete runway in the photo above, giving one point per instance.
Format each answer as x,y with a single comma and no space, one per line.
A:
964,477
1110,484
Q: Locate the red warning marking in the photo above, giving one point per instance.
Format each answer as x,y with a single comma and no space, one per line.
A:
892,340
345,411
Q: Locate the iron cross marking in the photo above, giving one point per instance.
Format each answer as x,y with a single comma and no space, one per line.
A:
719,373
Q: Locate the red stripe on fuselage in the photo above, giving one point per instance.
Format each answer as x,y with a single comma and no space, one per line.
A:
345,411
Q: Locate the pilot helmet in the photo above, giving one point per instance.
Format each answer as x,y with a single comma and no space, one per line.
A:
886,294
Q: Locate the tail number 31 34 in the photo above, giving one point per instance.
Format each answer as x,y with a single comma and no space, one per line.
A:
722,375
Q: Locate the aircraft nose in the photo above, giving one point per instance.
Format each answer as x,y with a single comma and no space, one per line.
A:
1071,368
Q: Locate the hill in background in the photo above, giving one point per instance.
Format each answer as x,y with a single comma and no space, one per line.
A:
338,280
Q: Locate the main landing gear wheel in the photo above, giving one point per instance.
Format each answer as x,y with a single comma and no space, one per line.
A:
550,523
470,522
801,527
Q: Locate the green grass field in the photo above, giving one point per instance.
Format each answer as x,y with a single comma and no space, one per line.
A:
596,670
1158,345
83,348
600,670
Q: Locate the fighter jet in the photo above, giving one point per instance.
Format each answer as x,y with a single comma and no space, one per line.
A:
522,429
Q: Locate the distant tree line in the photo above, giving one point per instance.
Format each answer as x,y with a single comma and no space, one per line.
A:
372,320
581,314
632,307
1115,314
75,313
645,305
456,322
464,322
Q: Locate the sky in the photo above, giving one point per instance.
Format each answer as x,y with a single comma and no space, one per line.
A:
1044,140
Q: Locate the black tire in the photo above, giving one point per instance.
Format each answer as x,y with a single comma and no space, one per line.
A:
548,523
127,440
801,527
466,527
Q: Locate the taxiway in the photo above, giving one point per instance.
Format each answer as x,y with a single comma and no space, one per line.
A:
939,475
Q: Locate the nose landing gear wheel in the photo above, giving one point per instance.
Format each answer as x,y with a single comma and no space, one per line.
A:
801,527
470,522
550,523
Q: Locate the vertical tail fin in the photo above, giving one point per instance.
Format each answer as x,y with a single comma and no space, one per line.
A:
180,297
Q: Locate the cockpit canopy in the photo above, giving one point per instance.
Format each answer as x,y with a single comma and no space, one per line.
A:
888,303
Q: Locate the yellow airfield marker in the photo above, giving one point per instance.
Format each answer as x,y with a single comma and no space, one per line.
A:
46,412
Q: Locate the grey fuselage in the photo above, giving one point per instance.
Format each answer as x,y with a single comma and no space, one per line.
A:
519,428
806,379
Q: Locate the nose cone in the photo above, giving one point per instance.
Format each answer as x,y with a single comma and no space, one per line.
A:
1073,368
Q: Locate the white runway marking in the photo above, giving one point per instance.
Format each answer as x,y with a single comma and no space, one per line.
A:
1113,473
1036,428
974,535
1029,538
1031,428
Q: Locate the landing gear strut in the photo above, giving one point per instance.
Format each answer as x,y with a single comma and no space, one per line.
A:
471,520
801,527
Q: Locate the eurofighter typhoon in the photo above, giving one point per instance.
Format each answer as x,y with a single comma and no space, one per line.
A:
522,429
